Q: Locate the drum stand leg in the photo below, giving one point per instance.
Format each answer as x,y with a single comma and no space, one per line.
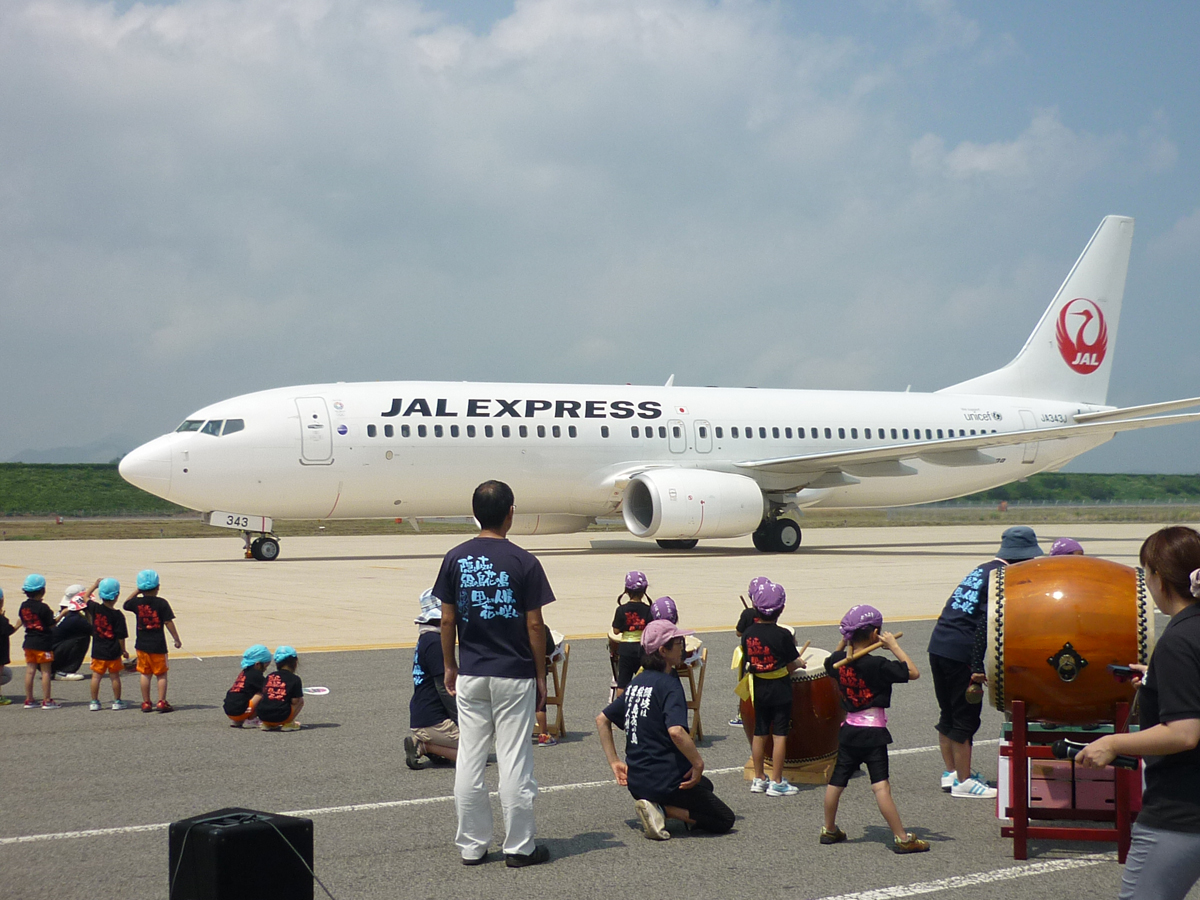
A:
1126,788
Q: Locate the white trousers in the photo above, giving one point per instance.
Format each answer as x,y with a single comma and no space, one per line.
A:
504,709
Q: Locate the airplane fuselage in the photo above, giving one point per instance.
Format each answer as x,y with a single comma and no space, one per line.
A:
418,449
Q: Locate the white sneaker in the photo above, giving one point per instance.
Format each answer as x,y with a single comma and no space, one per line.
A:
94,706
973,788
758,786
781,789
68,676
948,779
654,823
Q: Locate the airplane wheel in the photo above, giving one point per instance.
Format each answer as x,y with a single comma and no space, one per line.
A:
677,545
785,536
264,548
762,538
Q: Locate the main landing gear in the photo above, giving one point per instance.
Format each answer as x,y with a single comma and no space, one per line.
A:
264,548
777,536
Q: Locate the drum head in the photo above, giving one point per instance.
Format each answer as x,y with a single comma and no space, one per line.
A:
814,662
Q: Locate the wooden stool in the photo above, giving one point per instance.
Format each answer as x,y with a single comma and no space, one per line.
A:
556,689
693,677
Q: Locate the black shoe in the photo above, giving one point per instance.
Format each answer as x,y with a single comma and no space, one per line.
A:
474,862
538,856
412,756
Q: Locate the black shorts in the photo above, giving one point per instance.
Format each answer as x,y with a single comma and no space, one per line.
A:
772,718
627,665
850,758
705,809
959,719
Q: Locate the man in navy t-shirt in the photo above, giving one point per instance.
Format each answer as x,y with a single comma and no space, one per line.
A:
956,650
492,595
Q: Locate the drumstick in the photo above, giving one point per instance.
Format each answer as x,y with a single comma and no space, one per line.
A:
807,644
864,651
745,605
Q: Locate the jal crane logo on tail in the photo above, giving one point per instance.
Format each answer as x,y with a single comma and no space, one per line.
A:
1079,321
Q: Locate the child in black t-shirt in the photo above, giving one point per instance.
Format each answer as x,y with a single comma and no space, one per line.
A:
241,700
283,694
769,654
154,614
629,621
745,620
865,686
38,621
108,640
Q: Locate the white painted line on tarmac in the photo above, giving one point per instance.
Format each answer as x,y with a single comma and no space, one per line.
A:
964,881
368,807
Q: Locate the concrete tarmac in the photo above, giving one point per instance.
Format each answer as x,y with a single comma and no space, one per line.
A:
88,795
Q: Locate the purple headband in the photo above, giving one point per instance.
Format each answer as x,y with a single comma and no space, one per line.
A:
664,608
635,581
860,617
1065,547
769,598
756,584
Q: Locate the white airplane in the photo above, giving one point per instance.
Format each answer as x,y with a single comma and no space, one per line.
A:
677,463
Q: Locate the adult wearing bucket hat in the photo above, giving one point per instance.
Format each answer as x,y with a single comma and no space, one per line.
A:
955,660
72,634
432,712
662,769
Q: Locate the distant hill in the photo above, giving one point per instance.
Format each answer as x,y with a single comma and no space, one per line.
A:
98,490
105,450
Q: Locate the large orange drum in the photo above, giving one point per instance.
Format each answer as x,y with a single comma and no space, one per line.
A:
1054,625
817,713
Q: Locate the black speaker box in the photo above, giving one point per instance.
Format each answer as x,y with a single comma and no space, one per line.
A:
241,854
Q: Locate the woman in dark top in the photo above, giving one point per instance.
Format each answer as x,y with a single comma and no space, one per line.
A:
1164,859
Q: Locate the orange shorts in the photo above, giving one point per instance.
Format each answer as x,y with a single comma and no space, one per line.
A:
38,657
105,666
152,663
248,714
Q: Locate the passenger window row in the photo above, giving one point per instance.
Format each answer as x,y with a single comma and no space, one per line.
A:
896,433
488,431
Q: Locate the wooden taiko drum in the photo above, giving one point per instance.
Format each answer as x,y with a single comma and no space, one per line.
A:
1054,625
817,713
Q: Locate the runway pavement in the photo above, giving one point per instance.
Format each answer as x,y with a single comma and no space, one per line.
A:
87,795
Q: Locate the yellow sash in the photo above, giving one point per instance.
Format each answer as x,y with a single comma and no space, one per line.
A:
745,687
630,637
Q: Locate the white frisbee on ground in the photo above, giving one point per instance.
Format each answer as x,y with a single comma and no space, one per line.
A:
316,691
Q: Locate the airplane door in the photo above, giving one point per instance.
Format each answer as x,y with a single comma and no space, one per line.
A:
703,437
676,436
316,438
1028,422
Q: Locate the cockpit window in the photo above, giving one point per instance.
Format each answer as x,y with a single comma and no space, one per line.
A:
232,425
191,425
212,426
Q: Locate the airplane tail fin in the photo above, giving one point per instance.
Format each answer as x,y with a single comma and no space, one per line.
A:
1069,355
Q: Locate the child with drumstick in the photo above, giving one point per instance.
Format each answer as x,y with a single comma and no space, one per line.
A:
865,685
770,655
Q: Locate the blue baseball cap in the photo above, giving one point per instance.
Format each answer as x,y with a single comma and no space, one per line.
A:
284,653
109,589
255,655
147,580
34,583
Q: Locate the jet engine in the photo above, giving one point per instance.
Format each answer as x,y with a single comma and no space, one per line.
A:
674,504
549,524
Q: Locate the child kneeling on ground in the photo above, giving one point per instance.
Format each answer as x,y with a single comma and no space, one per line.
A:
432,711
283,694
865,686
662,769
241,700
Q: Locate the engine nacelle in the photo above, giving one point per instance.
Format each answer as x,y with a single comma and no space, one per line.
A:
681,504
549,524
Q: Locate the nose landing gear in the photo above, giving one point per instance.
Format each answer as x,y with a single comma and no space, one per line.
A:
264,548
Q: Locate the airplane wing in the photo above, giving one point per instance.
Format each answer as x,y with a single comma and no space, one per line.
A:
963,451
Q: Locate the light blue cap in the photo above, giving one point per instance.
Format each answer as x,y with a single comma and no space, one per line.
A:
284,652
255,655
34,583
147,580
109,589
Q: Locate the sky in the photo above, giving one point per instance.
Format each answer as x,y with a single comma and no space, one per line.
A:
205,198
